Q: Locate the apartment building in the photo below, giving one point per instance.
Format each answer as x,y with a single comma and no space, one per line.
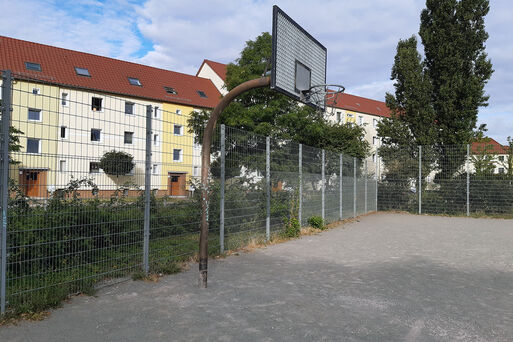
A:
73,107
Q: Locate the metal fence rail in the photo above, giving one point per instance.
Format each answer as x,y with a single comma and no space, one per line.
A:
99,187
454,180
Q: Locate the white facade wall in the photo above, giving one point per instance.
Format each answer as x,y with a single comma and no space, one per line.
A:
207,72
77,151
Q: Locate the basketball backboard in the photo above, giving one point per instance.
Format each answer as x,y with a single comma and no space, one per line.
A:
298,61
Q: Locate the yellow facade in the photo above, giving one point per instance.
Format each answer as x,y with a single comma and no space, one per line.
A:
351,116
45,99
172,115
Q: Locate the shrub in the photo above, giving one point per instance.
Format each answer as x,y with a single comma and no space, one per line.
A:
316,222
293,228
117,163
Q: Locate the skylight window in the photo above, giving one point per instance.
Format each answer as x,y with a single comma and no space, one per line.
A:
170,90
201,93
33,66
134,81
82,72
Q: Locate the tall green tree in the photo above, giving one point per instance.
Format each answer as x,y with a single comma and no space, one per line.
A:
266,112
437,99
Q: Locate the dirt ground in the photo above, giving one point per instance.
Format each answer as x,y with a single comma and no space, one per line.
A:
386,277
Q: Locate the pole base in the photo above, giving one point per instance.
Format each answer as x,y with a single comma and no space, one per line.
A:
202,281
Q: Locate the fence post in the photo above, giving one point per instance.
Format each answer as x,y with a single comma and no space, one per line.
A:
377,180
340,184
222,185
354,187
268,187
468,180
365,186
300,214
323,185
147,192
419,187
4,181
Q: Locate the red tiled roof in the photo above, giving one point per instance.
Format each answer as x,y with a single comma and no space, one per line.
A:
107,74
359,104
219,68
488,146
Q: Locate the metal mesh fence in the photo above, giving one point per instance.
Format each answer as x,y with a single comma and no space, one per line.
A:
100,187
467,180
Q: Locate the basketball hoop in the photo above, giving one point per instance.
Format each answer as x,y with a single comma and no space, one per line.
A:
321,96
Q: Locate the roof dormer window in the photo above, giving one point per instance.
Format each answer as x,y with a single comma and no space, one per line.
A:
82,72
33,66
170,90
134,81
201,93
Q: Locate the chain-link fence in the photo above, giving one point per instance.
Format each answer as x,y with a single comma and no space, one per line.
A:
467,180
99,187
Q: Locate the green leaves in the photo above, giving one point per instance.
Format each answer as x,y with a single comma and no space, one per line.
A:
117,163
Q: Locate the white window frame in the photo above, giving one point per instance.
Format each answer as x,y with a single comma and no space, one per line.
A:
178,111
375,123
156,141
99,169
196,171
101,105
96,141
180,159
35,110
133,107
38,146
64,100
181,130
360,120
62,165
156,114
339,117
375,141
124,138
36,91
155,169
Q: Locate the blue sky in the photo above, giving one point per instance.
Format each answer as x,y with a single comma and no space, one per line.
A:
361,37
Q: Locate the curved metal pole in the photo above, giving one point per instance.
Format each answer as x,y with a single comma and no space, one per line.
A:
205,167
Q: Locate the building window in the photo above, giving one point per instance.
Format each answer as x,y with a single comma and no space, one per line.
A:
34,114
501,170
36,91
82,72
95,134
195,171
96,104
339,117
134,81
94,167
201,93
32,66
375,141
179,112
178,129
64,132
501,158
155,169
155,139
64,99
156,113
360,120
350,116
374,157
129,137
170,90
33,145
62,166
129,108
177,155
375,123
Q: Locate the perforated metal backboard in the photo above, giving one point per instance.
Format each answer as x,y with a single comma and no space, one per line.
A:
298,61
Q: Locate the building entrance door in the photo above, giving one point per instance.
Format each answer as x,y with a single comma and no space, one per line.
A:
176,184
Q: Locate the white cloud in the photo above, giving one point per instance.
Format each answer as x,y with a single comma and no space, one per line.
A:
361,36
